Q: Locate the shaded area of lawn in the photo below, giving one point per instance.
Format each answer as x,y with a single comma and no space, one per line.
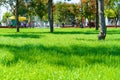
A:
72,55
22,35
34,34
64,56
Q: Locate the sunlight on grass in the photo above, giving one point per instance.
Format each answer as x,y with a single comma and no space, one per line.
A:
66,54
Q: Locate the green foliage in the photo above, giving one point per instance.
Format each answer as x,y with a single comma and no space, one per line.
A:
65,12
110,13
88,9
23,10
112,9
40,7
5,16
66,54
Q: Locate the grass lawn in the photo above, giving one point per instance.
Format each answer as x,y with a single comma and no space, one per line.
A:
66,54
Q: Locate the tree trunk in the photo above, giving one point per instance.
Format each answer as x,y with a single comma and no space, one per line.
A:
116,23
50,14
97,16
102,25
17,14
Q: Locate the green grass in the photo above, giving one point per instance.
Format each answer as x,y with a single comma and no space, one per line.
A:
66,54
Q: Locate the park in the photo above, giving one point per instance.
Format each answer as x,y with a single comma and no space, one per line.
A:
57,52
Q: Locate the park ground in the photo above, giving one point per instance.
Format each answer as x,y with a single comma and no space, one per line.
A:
66,54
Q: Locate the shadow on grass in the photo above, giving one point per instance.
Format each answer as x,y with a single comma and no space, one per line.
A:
86,32
75,32
22,35
63,32
38,34
116,31
63,56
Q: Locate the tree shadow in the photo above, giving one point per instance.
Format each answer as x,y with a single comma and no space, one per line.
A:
64,32
22,35
63,56
35,34
117,31
113,39
78,32
75,32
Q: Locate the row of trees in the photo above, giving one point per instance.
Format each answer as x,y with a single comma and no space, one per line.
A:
111,9
26,8
63,11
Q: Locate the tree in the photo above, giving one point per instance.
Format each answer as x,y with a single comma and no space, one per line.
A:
102,25
66,13
112,9
39,7
17,14
50,14
89,9
97,16
14,4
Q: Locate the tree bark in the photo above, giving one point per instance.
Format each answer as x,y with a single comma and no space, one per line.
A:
50,14
97,16
102,25
17,14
